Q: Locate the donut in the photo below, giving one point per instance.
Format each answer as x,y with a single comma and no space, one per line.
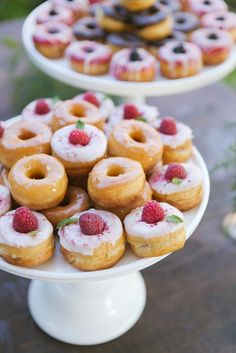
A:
79,149
185,22
171,5
138,141
157,237
221,20
179,184
80,8
23,139
137,5
93,250
5,200
40,109
155,45
27,249
201,7
180,59
4,177
70,111
76,200
153,23
215,44
88,57
87,28
115,182
52,38
38,181
135,65
112,17
118,41
56,13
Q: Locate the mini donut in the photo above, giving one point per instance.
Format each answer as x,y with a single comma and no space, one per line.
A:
221,20
137,5
55,13
88,57
118,41
201,7
52,38
171,5
153,23
26,249
179,60
40,109
70,111
215,44
185,22
155,45
38,181
4,177
184,193
24,138
80,8
76,200
138,141
135,65
115,182
97,251
112,17
79,159
87,28
155,239
5,200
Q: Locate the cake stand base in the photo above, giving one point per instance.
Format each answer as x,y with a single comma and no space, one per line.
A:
87,313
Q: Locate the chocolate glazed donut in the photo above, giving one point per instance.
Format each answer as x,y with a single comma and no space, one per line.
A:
88,28
124,40
185,22
154,15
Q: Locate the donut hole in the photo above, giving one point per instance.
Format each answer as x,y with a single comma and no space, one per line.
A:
78,111
26,135
180,20
137,136
36,174
91,26
115,171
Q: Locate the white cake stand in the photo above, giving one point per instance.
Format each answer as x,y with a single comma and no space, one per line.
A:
60,70
88,308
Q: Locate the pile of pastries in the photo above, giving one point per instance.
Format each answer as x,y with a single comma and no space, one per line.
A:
94,176
134,40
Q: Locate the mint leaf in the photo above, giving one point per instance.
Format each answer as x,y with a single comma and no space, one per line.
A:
66,221
33,233
176,181
55,99
174,219
80,125
141,118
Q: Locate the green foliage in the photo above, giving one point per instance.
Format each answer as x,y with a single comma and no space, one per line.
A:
16,8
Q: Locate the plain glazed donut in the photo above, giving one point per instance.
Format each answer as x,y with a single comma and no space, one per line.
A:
24,139
38,182
116,181
76,200
70,111
138,141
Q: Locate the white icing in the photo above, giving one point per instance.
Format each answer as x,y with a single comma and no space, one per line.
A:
200,38
200,8
211,20
72,238
159,184
64,34
5,200
134,226
184,133
64,14
29,111
95,149
75,5
106,104
9,236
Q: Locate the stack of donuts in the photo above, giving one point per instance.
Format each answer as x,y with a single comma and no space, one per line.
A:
135,40
94,177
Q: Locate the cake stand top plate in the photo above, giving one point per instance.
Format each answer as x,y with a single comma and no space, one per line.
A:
60,70
57,269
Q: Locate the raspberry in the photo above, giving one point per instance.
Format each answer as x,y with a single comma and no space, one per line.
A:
152,212
175,170
79,137
42,107
91,98
130,111
91,223
168,126
24,221
1,130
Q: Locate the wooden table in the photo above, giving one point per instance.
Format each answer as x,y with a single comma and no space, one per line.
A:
191,306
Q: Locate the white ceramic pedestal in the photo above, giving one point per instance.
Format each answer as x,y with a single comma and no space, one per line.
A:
88,313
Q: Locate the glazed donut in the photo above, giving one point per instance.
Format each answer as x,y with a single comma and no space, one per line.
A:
88,57
201,7
80,8
138,141
23,139
137,5
215,44
153,23
79,153
26,249
87,28
155,45
70,111
225,21
171,5
76,200
135,65
52,38
96,251
112,17
38,181
40,109
55,13
185,22
115,182
180,59
5,200
118,41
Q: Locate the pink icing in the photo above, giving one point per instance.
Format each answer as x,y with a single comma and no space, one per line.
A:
5,200
42,33
213,20
75,5
64,15
209,46
201,7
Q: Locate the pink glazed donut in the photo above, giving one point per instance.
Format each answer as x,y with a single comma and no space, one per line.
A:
221,20
201,7
56,13
80,8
